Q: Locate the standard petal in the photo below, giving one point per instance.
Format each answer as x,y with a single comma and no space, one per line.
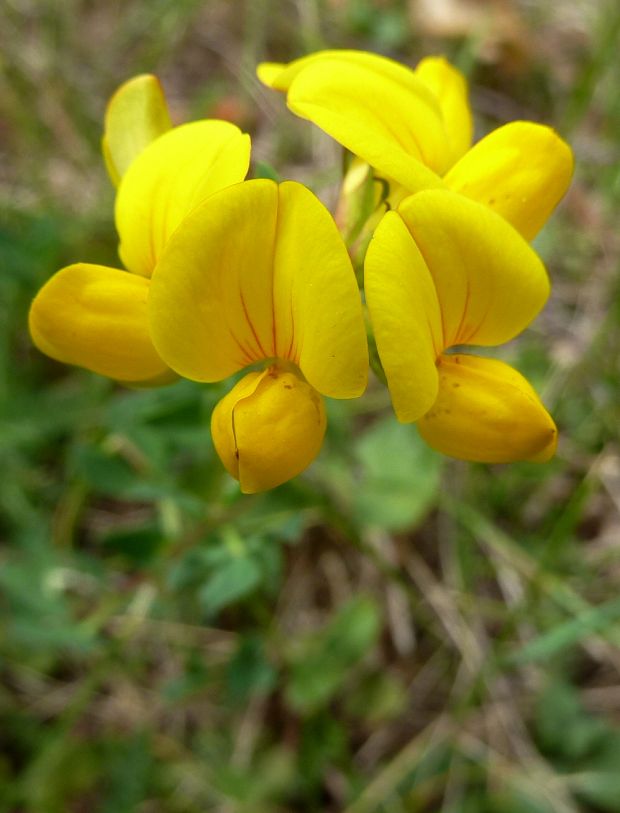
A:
268,73
96,317
388,118
268,428
171,177
490,283
212,294
521,171
260,271
314,280
405,317
487,412
280,76
449,87
136,114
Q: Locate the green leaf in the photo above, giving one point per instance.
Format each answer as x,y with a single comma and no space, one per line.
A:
229,583
192,679
321,662
601,787
40,618
63,769
105,473
563,727
127,774
377,698
139,546
249,671
400,476
323,743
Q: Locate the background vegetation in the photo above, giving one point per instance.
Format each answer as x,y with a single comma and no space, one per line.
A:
390,632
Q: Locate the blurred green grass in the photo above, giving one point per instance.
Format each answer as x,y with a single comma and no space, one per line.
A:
390,632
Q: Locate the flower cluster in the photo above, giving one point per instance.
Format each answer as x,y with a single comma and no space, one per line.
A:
223,273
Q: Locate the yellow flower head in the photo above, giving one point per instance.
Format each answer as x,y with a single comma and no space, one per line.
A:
258,273
94,316
414,127
442,272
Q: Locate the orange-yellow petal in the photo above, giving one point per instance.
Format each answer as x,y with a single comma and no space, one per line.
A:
96,317
169,178
405,317
486,411
136,114
268,428
521,171
259,271
449,87
490,283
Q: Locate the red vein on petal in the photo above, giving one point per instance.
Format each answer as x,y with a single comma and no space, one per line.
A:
251,326
289,353
246,354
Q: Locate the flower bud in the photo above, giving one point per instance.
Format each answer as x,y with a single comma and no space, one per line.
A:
360,196
268,428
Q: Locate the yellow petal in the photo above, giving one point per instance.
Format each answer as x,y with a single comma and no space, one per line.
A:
280,76
171,177
96,317
314,280
136,114
521,170
268,73
449,87
268,428
405,317
403,137
259,271
487,412
490,283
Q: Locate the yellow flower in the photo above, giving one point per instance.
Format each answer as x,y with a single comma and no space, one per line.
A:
414,127
258,273
94,316
442,272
